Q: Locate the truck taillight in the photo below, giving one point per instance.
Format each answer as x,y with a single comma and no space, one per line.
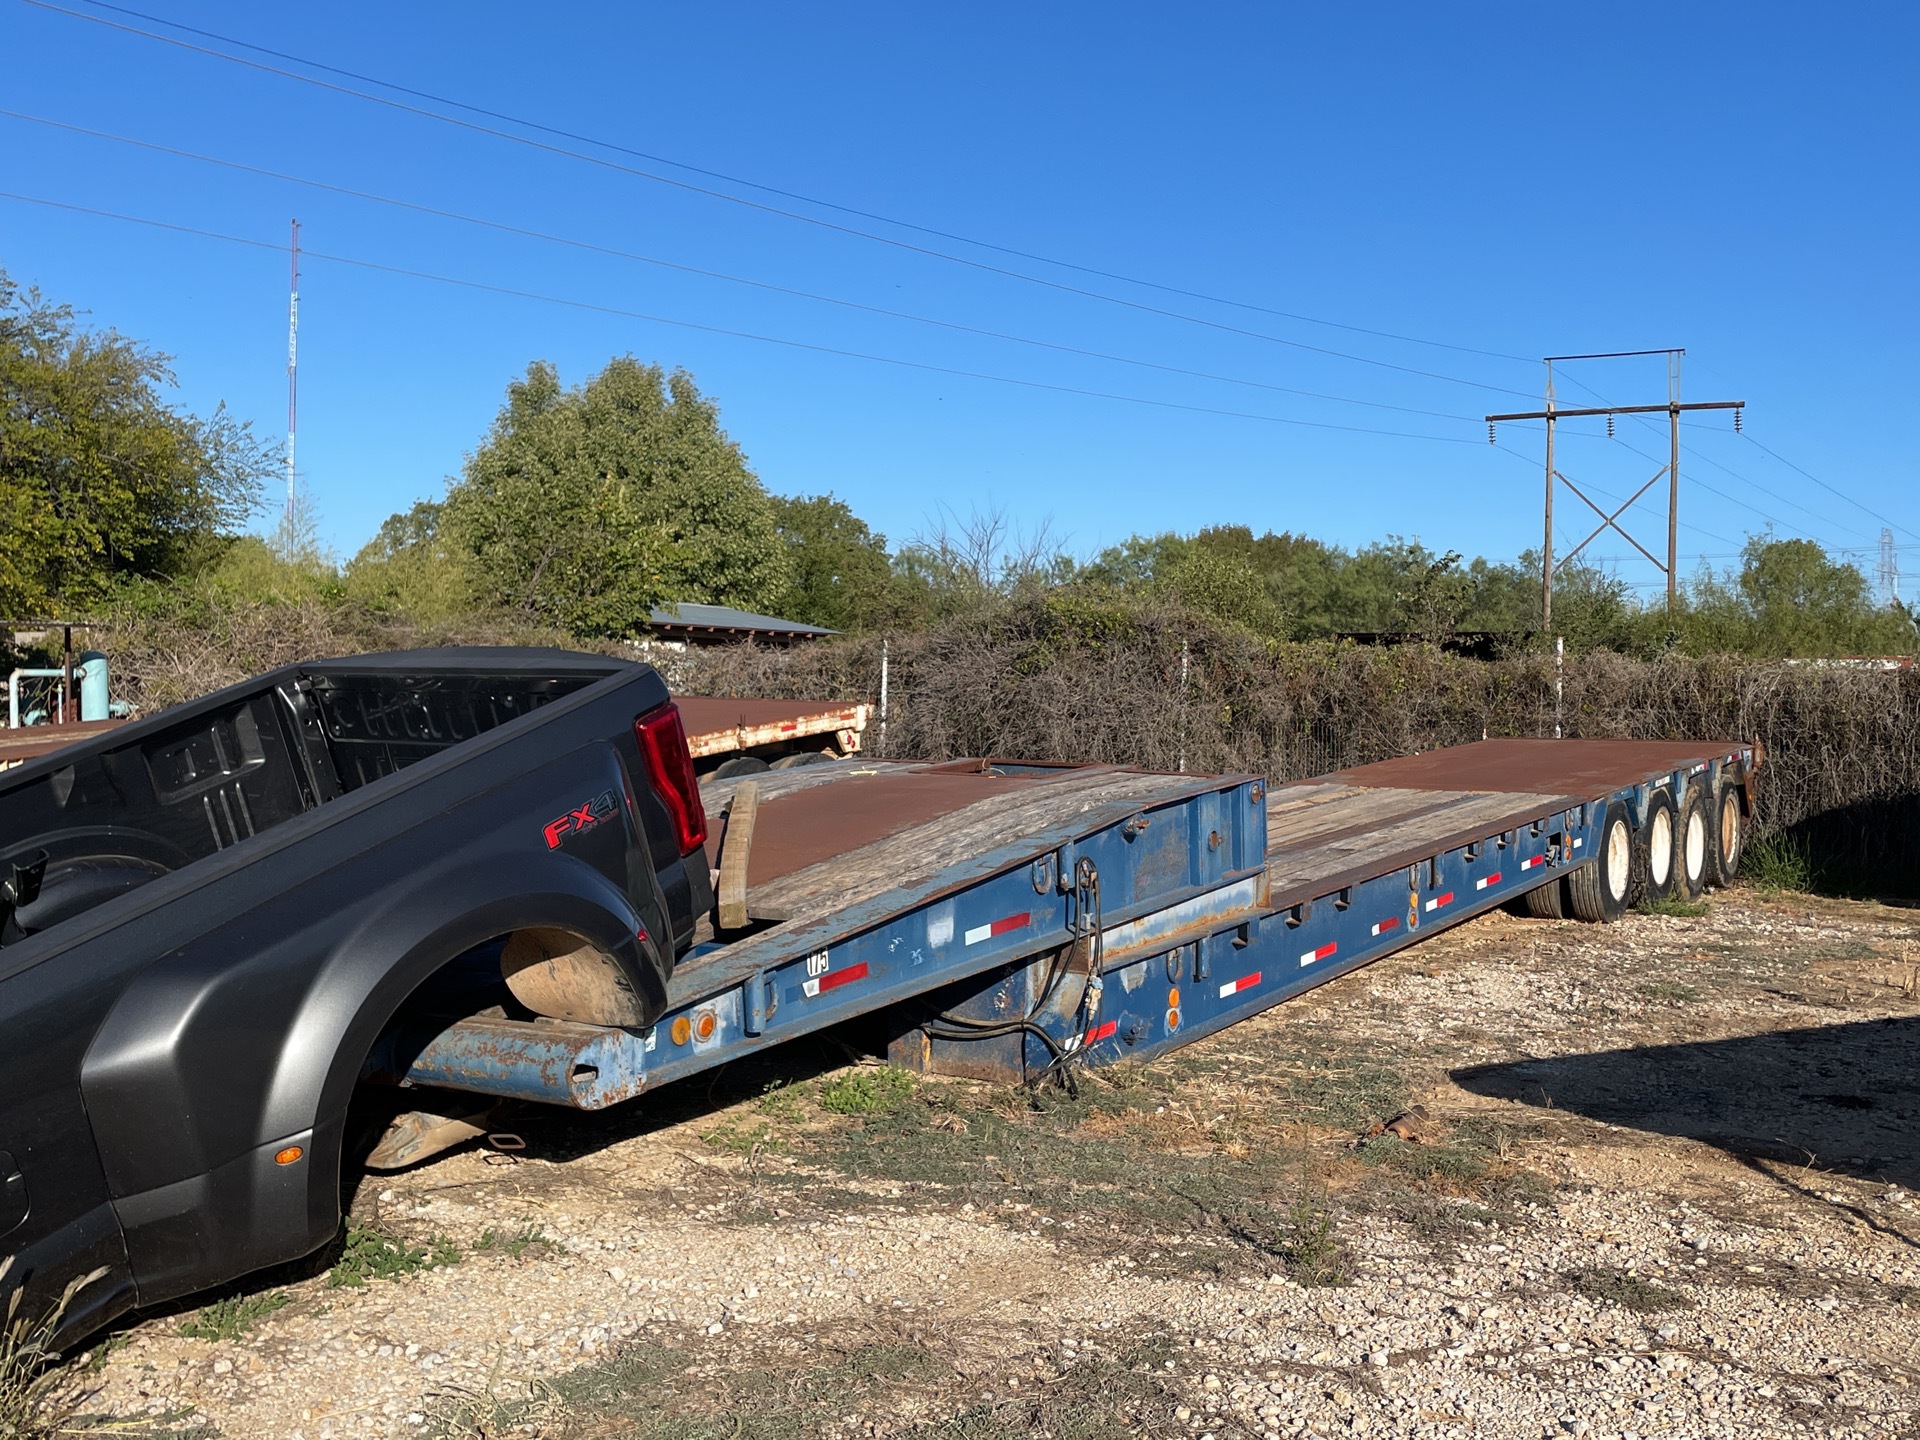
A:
663,745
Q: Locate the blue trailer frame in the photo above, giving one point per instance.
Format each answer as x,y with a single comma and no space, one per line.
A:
1118,933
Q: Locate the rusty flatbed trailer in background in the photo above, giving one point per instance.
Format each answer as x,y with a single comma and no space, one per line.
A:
30,742
1006,919
773,731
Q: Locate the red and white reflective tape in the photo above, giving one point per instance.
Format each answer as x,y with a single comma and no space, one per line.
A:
1380,927
1245,982
813,989
1309,956
1100,1032
1486,880
1530,864
1439,900
999,927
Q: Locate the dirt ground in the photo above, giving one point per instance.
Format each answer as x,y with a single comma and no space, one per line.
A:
1658,1183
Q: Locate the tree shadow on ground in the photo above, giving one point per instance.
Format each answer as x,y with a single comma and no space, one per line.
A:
1831,1098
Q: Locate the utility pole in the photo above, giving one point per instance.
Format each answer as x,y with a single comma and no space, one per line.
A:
1670,471
293,375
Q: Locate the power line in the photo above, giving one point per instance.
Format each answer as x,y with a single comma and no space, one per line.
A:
776,190
518,294
771,209
1825,486
616,253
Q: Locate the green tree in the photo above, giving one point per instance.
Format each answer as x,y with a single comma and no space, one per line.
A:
587,507
411,569
841,574
100,479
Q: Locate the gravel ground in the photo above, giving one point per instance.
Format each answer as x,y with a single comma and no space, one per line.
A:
1663,1191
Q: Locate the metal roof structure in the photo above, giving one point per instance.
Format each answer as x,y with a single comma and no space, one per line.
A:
723,622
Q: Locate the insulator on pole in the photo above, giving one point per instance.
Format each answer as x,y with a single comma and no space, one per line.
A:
1737,412
1609,427
1490,439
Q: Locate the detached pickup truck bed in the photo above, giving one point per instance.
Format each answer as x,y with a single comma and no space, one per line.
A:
207,918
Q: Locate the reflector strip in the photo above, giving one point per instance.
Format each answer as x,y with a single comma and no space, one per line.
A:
999,927
833,980
1536,860
1101,1032
1245,982
1439,900
1392,922
1322,953
1486,880
1578,842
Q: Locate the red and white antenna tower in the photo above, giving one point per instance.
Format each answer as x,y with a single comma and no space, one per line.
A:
293,376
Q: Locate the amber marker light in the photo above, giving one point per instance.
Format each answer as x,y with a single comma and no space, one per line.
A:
703,1024
288,1155
682,1030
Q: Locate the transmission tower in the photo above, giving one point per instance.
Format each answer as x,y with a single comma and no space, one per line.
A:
1889,567
293,381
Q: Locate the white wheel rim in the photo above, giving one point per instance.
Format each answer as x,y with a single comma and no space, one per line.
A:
1696,846
1660,848
1619,859
1729,827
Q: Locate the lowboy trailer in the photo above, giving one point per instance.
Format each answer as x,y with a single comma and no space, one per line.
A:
1010,919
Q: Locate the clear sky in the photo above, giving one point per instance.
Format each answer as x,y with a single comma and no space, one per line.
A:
1518,180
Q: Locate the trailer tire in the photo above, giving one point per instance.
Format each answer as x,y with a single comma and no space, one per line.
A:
1656,850
803,757
739,765
1727,842
1598,890
1548,901
1693,847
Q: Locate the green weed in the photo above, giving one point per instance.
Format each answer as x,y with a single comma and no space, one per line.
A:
1780,862
868,1091
1676,907
232,1316
371,1255
1612,1286
529,1237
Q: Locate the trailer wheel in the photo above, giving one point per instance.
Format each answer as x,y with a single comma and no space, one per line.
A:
803,757
1548,901
1656,851
1694,848
739,765
1728,842
1598,890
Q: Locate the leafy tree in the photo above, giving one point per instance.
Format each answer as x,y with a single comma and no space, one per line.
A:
842,576
587,507
100,479
410,568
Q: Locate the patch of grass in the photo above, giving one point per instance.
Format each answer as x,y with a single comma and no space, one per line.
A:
781,1102
498,1407
232,1316
1685,994
869,1090
1454,1169
370,1254
1780,862
516,1245
29,1406
1676,907
1313,1254
1609,1285
743,1137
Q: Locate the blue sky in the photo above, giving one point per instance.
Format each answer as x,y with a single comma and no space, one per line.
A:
1502,179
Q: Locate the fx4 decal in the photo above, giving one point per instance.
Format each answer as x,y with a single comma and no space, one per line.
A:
602,807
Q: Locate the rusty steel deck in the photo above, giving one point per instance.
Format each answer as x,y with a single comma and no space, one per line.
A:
719,726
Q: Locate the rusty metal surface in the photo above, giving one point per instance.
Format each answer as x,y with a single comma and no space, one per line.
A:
1575,769
716,725
794,831
30,742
